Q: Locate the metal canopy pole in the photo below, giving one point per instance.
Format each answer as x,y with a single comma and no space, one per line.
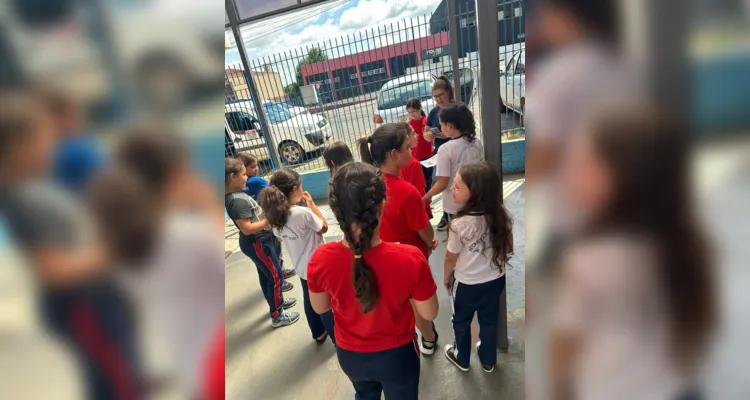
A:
453,27
267,134
489,79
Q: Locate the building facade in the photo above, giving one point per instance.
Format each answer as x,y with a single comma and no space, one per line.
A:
267,81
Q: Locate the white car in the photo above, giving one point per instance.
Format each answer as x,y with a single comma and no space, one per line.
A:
292,109
393,95
295,135
513,83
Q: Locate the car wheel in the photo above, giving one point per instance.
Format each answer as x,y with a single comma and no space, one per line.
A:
291,153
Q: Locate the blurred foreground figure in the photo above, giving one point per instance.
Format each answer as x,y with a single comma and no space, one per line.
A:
156,216
634,305
80,302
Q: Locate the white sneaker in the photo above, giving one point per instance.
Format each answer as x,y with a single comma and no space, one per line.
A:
428,348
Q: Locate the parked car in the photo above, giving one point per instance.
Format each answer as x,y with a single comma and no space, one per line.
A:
393,95
513,83
292,109
295,135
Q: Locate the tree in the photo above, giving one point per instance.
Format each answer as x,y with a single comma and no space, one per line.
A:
313,55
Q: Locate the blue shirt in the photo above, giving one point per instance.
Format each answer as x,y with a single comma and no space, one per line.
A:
433,121
254,185
77,159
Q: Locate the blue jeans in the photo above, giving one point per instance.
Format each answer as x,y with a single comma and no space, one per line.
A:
270,274
483,299
319,323
394,371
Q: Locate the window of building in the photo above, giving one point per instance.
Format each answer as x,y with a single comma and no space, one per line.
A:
518,12
501,15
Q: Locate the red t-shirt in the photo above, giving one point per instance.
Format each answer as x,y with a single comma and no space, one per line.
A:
401,273
404,214
414,175
213,377
423,149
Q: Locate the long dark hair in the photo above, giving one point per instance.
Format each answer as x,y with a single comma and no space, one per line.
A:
275,198
336,155
461,118
647,154
484,182
357,192
388,137
445,84
415,104
599,17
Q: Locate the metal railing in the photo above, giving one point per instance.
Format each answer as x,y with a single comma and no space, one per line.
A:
364,78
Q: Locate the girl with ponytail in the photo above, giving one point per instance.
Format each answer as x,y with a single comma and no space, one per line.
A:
301,229
368,283
405,219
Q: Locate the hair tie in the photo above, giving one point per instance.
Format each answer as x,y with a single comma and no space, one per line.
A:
358,256
369,139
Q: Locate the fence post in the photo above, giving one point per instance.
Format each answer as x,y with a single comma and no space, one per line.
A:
453,27
273,150
489,78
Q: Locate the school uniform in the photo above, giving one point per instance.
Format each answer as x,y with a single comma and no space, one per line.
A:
450,156
476,289
261,248
378,350
414,175
423,150
404,214
300,237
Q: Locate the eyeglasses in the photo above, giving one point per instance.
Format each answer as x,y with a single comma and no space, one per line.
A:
438,96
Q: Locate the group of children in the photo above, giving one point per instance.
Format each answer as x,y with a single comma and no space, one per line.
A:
376,281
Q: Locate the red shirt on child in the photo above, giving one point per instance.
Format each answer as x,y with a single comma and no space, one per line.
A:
404,214
414,175
401,273
423,149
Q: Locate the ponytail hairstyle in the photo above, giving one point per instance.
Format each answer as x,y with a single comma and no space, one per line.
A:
461,118
388,137
274,200
336,155
231,166
415,104
357,192
445,84
483,181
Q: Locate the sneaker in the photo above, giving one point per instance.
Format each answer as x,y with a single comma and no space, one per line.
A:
450,354
486,368
428,348
285,319
286,286
288,273
289,302
443,224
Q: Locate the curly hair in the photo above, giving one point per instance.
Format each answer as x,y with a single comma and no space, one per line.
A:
357,192
375,148
461,118
274,200
483,182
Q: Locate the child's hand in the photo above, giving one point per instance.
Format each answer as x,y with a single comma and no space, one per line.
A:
448,284
428,136
307,198
427,199
434,243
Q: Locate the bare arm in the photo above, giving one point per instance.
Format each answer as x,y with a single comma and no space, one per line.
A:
450,264
562,349
314,208
321,302
438,187
427,309
250,228
541,160
427,234
60,265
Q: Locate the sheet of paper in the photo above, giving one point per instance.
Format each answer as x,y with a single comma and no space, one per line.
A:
430,162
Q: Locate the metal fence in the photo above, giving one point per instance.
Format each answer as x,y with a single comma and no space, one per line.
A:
365,78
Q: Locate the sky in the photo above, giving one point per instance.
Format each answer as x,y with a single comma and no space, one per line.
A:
289,35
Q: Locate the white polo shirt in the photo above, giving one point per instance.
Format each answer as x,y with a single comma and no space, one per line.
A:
300,237
469,238
450,156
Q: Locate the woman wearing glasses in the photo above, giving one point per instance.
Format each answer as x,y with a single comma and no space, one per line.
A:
442,92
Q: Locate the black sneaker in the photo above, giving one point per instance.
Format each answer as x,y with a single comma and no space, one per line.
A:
322,339
288,273
450,354
443,223
289,302
428,348
286,286
486,368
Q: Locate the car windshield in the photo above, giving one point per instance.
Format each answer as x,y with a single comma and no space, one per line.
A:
397,96
277,113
